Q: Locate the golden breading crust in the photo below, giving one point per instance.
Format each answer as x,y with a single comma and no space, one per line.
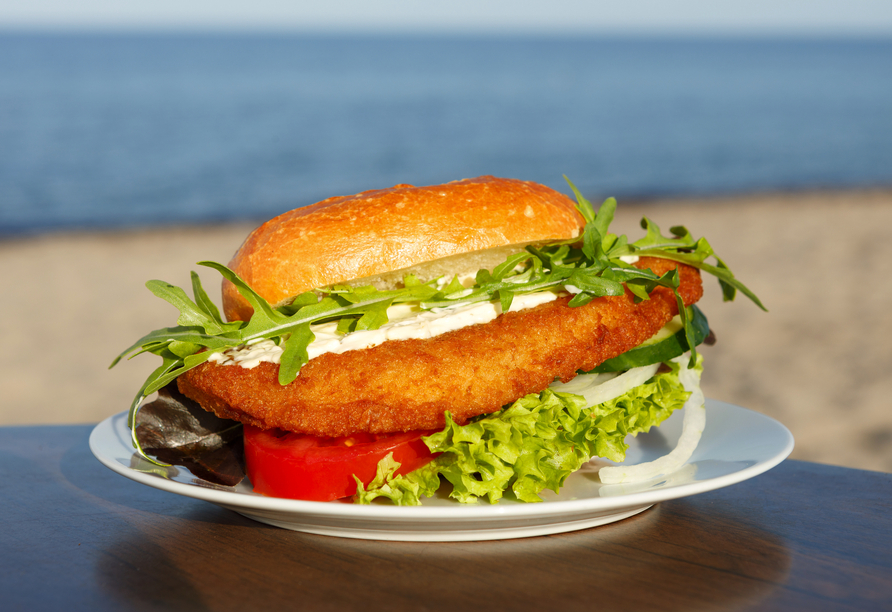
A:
407,385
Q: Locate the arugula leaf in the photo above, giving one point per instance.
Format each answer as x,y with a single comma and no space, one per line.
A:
604,218
203,301
265,317
682,247
727,280
595,285
190,314
374,317
294,356
584,207
681,238
503,269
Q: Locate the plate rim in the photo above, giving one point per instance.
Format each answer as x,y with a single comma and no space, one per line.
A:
334,510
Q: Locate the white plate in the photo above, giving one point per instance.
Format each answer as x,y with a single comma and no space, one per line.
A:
737,444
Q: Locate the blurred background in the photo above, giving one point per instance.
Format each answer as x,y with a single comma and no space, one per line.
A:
136,140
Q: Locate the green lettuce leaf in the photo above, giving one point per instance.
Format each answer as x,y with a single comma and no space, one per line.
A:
404,490
531,445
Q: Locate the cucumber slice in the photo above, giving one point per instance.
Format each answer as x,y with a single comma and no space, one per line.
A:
660,351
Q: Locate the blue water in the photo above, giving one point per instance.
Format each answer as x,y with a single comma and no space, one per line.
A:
121,131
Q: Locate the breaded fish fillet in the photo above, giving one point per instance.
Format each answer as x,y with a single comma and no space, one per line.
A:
407,385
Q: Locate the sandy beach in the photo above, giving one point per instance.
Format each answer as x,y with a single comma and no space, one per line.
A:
819,361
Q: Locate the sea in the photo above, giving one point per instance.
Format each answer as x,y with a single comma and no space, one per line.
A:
106,131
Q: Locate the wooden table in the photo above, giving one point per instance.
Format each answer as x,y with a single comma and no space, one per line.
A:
75,535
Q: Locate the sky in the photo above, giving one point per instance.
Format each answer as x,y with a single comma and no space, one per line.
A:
709,17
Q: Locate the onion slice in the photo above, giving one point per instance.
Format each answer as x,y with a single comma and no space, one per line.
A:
600,388
692,428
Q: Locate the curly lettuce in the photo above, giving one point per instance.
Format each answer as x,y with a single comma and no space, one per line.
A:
532,445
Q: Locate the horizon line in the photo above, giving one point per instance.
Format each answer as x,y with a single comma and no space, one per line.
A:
668,33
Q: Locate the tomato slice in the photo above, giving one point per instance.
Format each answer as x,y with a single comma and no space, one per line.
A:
298,466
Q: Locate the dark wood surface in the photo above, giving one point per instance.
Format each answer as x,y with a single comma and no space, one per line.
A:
74,535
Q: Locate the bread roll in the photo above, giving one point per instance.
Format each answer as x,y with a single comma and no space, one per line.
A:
376,237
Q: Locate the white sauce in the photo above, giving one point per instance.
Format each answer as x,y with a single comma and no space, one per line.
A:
406,322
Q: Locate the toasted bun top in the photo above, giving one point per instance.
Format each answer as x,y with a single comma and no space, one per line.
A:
473,223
